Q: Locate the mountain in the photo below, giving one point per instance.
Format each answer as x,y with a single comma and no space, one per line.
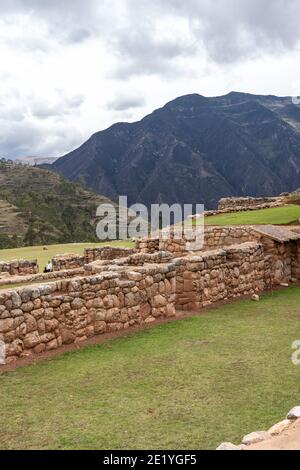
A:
38,206
195,150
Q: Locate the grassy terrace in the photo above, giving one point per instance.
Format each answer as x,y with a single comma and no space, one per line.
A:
276,216
43,256
188,384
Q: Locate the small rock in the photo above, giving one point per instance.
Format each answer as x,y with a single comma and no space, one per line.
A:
150,319
279,427
229,446
284,284
294,413
255,298
255,437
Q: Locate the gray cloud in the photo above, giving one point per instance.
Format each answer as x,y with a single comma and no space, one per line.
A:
78,35
141,53
228,30
232,30
42,109
124,103
26,138
165,38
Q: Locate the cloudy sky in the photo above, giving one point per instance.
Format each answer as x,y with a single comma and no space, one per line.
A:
70,68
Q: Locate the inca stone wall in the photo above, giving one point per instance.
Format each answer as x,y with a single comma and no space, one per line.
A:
19,267
37,319
68,261
200,240
216,237
73,261
111,295
137,259
147,245
281,261
219,275
246,203
41,277
106,253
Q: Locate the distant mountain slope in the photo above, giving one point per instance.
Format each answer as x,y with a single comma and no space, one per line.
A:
195,149
41,207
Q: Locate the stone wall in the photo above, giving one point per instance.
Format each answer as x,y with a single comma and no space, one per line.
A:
106,253
245,203
112,295
211,237
147,245
137,259
67,261
19,267
281,261
41,277
219,275
73,261
216,237
35,319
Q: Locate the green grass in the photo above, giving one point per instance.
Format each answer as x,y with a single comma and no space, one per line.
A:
277,216
43,256
189,384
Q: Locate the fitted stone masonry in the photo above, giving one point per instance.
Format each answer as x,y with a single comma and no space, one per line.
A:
145,284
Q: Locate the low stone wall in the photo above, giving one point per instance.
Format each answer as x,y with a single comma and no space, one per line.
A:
115,294
73,261
42,277
211,237
106,253
19,267
219,275
282,261
147,245
36,319
216,237
246,203
137,259
67,261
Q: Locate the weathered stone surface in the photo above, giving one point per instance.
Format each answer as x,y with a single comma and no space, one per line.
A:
159,301
255,437
150,319
255,298
230,446
279,427
67,336
31,340
100,327
294,413
6,325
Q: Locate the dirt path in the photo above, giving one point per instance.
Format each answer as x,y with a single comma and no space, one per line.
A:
288,440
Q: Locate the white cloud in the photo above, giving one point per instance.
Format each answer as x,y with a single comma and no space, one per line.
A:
72,68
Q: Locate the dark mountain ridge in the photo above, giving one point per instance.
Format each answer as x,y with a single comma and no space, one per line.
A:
195,150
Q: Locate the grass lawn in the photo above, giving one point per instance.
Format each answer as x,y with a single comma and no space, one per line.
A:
43,256
189,384
277,216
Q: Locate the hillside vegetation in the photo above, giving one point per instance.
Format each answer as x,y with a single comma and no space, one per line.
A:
38,207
